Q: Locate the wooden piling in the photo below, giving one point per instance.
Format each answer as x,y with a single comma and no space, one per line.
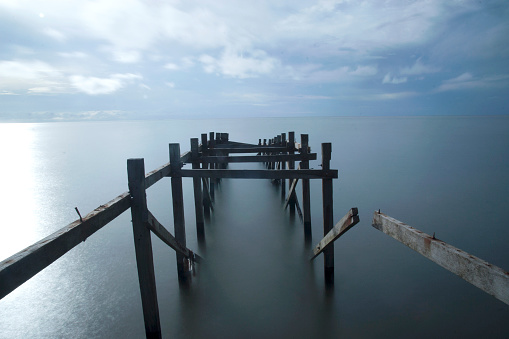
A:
283,167
198,196
328,217
212,144
178,212
143,247
204,149
306,201
291,165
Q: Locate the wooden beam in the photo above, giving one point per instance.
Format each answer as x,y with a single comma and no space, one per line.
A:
162,233
258,174
143,248
291,193
348,221
258,158
489,278
23,265
270,149
152,177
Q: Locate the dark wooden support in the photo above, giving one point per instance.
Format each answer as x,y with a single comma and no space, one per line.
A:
198,196
283,166
348,221
291,165
259,158
178,212
306,201
205,165
143,247
212,144
328,215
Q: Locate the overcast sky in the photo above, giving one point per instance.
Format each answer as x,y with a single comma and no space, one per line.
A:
136,59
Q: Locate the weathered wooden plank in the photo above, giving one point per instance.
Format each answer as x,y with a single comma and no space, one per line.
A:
162,233
23,265
259,158
178,212
489,278
143,248
291,193
258,174
152,177
233,144
348,221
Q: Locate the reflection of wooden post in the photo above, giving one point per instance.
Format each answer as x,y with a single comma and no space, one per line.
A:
291,165
306,201
198,197
143,247
328,216
178,212
206,206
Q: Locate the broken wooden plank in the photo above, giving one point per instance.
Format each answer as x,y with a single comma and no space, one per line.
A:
162,233
259,174
348,221
23,265
154,176
270,149
489,278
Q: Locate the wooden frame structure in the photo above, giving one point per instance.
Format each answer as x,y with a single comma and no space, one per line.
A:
209,165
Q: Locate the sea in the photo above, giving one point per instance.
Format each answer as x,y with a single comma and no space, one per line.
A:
444,175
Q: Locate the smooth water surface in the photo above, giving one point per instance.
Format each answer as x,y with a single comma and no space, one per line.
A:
442,175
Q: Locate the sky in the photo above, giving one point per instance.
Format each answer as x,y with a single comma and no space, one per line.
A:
154,59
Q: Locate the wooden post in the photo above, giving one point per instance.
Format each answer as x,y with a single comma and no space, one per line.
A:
291,165
283,167
204,147
198,196
143,247
306,201
328,217
178,212
212,166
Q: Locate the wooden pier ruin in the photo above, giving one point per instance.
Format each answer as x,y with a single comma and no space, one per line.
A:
209,157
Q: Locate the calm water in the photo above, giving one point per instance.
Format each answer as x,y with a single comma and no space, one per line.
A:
448,175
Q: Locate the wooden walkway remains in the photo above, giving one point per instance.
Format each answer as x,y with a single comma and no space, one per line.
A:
489,278
208,162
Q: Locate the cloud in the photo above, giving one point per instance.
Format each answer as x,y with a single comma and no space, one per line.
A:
96,86
239,65
55,34
318,74
30,75
388,79
418,68
467,81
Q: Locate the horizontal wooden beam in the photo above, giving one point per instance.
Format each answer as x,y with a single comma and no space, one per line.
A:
257,149
257,174
233,144
348,221
23,265
162,233
152,177
489,278
258,158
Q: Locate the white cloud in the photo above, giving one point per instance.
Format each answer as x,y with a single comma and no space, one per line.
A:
388,79
30,75
170,84
418,68
171,66
316,74
55,34
467,81
95,86
77,55
240,65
